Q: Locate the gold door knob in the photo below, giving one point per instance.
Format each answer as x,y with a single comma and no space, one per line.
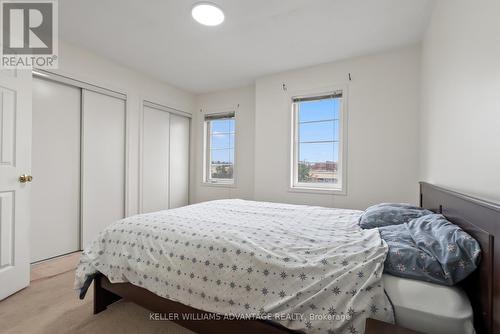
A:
25,178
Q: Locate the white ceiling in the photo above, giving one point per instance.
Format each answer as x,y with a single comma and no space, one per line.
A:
258,37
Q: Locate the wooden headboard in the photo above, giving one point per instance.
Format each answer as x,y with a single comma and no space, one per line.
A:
481,219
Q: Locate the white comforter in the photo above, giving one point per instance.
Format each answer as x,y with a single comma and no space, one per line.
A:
308,268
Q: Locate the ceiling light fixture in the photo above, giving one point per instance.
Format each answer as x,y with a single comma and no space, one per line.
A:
207,13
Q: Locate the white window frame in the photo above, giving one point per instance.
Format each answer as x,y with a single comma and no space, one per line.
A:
207,142
322,188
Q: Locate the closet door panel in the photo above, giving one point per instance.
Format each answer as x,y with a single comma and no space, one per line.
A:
103,163
155,160
55,194
179,161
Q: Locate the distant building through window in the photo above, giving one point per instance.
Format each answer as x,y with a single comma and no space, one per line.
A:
317,142
219,148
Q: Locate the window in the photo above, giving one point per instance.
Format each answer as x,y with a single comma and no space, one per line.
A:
317,142
219,148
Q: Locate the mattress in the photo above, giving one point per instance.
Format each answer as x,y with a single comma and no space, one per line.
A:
428,307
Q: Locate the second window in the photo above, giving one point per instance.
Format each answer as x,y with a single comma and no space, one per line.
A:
219,148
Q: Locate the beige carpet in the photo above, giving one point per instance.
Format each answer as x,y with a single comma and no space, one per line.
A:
50,305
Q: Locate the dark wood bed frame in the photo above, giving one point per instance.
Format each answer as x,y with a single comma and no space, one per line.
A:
480,218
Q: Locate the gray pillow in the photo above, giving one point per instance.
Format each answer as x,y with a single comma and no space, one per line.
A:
431,249
386,214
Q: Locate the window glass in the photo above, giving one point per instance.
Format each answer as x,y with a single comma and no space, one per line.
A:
220,150
317,146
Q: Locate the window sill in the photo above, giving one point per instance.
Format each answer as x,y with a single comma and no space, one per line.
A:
321,191
219,185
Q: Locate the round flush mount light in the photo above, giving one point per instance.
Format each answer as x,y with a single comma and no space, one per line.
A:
207,13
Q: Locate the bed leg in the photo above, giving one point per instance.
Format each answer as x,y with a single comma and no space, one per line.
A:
102,297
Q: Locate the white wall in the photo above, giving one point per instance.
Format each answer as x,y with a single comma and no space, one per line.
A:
83,65
242,101
383,103
460,124
382,107
459,121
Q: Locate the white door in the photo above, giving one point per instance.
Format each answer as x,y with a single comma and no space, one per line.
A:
155,160
15,160
103,162
179,161
55,196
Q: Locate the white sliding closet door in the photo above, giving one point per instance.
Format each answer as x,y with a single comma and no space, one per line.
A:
179,161
155,160
103,162
55,194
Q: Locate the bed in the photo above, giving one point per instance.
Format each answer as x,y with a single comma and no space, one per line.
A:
297,271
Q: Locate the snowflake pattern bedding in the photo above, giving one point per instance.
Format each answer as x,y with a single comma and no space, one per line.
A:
248,258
